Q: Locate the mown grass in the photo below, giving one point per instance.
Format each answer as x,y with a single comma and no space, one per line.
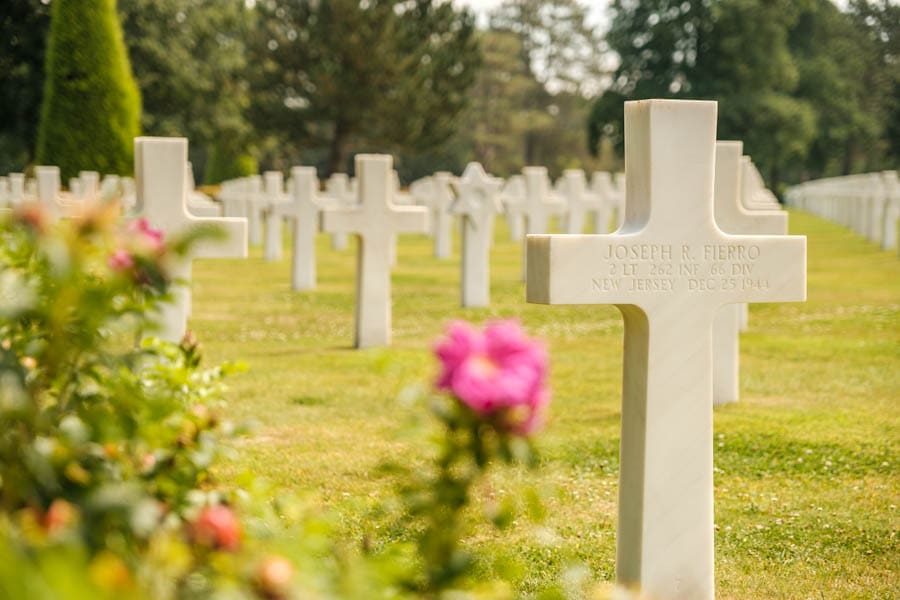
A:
807,484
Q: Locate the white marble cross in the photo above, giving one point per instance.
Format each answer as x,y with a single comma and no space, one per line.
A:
303,211
536,206
375,220
513,192
159,167
602,185
338,194
48,193
16,188
477,203
90,184
668,270
579,201
273,192
441,220
732,217
755,195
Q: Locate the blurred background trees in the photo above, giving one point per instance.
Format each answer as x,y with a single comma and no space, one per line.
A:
813,90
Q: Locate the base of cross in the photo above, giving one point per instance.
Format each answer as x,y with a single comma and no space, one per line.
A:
669,269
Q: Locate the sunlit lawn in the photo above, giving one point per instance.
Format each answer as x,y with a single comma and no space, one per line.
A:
807,484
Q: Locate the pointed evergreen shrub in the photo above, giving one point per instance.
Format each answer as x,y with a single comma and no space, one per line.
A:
91,110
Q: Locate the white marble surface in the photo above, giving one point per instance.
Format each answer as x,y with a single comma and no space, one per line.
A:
441,220
303,211
668,270
580,201
160,186
733,217
273,191
536,207
513,193
476,202
376,220
338,194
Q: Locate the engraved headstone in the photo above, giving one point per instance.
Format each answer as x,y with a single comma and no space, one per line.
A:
375,220
477,203
160,184
668,270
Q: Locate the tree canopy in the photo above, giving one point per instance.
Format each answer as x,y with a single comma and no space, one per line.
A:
384,73
808,88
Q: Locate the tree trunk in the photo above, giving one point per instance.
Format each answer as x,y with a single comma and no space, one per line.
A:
337,149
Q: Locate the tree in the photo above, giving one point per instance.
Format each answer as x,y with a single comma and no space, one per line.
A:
23,31
566,56
189,59
498,117
879,22
733,51
386,73
91,106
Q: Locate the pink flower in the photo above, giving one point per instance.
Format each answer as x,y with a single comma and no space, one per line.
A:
217,527
498,371
120,260
148,237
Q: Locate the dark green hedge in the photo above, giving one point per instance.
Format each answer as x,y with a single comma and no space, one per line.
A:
92,106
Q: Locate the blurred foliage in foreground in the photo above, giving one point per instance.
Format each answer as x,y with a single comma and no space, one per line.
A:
108,445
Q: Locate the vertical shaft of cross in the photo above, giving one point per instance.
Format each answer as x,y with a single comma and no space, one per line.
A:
476,248
305,226
665,536
373,273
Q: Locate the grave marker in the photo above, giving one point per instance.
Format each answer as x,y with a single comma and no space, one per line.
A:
732,217
273,191
579,200
303,210
159,168
477,203
441,220
668,270
513,193
536,206
375,220
338,195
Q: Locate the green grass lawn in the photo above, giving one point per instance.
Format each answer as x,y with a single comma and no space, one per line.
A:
806,480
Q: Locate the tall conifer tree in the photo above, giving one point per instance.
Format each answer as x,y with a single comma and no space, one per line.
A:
91,108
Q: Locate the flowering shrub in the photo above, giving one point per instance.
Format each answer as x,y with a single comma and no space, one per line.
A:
107,443
499,373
